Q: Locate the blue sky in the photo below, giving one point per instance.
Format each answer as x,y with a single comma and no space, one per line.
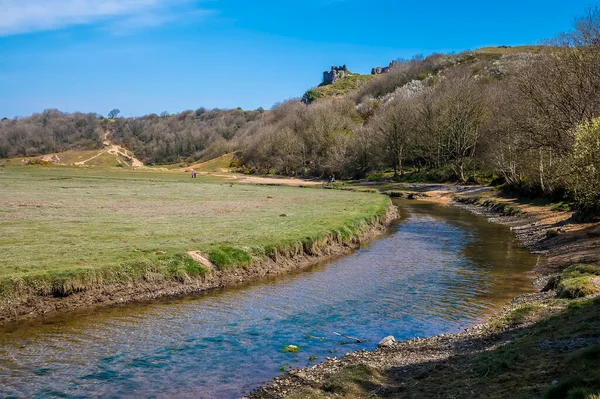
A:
145,56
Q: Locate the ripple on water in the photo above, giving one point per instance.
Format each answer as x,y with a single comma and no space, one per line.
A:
439,270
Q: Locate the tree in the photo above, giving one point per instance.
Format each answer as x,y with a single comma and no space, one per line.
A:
393,128
114,113
461,114
585,158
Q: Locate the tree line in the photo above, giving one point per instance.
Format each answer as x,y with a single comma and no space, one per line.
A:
527,120
186,136
47,132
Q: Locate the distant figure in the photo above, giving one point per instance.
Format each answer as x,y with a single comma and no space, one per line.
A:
331,179
193,174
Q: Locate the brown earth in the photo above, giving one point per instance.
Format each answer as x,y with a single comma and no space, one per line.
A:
251,179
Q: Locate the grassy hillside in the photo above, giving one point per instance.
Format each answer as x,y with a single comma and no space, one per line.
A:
341,87
499,51
218,164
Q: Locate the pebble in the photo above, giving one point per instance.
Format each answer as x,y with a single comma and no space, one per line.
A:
387,341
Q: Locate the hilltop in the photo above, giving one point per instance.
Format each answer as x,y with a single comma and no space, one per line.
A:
489,62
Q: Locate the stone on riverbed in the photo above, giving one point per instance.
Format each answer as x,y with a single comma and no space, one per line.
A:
387,341
292,348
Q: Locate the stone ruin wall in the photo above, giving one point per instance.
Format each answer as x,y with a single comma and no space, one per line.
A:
336,73
379,70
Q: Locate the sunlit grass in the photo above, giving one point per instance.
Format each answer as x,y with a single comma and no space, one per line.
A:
79,221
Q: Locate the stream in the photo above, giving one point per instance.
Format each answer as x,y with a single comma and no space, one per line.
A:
438,270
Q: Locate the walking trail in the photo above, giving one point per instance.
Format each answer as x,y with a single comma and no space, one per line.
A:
116,150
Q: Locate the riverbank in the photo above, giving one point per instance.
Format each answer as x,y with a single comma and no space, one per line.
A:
146,289
544,344
111,237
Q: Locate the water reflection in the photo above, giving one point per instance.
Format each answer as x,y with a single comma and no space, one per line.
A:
439,270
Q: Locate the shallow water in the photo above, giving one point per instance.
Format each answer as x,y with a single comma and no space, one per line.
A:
438,270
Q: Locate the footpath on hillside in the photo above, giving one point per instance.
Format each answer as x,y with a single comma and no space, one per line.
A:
116,150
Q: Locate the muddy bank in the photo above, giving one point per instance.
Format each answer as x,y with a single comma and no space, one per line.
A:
476,363
22,308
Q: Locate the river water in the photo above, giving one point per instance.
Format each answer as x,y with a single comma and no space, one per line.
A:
438,270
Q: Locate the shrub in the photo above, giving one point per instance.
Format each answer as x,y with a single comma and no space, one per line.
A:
585,159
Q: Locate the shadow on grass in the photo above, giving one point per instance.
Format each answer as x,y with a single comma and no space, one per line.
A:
554,358
557,357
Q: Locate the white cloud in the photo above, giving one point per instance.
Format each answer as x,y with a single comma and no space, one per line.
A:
22,16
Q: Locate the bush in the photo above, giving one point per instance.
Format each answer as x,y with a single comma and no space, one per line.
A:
585,159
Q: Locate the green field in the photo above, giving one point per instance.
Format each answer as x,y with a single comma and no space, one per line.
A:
63,229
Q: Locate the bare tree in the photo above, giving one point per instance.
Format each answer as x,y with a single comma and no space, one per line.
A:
393,128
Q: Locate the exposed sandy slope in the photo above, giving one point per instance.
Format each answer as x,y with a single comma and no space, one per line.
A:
109,148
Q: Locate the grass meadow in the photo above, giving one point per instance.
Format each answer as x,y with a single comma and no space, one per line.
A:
64,224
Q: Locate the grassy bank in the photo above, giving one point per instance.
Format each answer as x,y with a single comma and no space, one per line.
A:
66,230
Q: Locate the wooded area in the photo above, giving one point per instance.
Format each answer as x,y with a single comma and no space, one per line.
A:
523,118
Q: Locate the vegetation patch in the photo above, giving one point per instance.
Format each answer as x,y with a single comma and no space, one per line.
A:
343,86
577,281
352,380
493,205
218,164
226,257
518,316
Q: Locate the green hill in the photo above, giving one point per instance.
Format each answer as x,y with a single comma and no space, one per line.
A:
341,87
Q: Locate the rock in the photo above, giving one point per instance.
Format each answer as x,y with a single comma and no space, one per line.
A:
292,349
551,283
381,70
336,73
387,341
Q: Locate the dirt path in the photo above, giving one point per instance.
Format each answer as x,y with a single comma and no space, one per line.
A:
284,181
89,159
116,150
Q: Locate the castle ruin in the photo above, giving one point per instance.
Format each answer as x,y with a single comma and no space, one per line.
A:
336,73
379,70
